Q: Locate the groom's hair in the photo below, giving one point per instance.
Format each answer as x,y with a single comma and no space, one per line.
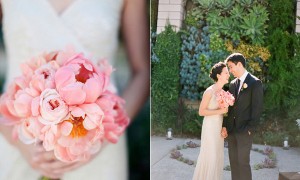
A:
216,69
235,58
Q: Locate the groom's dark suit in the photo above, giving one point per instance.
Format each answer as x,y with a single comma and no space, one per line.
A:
242,117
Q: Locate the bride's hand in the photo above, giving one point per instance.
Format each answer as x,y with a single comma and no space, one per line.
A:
39,159
62,167
224,110
50,166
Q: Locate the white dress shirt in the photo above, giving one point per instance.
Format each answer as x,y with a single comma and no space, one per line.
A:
242,79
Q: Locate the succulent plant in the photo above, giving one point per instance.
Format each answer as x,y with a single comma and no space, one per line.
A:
254,28
214,17
246,3
191,144
194,17
225,5
268,150
190,162
258,166
193,44
176,154
226,26
260,11
205,5
272,156
269,163
237,12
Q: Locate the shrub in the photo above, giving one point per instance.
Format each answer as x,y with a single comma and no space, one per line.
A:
165,80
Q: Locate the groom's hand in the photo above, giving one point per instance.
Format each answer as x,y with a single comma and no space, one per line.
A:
224,132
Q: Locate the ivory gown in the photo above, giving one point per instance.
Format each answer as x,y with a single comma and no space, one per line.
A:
211,158
33,26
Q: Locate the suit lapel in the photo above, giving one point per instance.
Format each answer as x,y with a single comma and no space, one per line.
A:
232,88
247,81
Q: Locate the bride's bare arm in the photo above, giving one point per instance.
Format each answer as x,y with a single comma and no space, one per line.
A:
135,30
203,109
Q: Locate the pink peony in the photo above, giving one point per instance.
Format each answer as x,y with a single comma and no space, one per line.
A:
80,133
225,99
116,119
65,101
52,108
49,135
81,79
29,130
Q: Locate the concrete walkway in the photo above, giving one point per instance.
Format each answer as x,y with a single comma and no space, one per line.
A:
163,167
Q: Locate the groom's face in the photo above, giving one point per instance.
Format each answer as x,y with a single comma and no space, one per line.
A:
234,69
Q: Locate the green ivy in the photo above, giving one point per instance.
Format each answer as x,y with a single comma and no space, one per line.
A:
282,92
165,80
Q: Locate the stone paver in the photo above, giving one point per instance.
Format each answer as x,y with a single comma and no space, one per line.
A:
163,167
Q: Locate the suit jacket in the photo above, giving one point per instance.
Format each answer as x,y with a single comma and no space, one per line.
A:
248,105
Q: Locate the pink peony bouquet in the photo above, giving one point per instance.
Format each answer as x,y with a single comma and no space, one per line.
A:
67,102
225,99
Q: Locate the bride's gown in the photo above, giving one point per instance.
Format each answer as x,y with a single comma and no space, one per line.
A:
33,26
211,158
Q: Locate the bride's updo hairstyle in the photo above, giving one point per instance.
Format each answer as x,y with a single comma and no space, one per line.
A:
216,69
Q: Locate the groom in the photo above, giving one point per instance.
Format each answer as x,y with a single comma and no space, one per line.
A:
242,116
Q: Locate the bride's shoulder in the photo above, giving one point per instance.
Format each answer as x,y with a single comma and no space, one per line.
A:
209,91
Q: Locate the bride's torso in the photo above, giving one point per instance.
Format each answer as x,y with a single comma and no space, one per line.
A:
213,103
33,26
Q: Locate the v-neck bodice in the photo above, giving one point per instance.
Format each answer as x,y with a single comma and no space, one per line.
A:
33,26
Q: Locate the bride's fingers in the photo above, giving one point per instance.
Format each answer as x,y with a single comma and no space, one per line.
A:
44,169
43,157
70,167
58,166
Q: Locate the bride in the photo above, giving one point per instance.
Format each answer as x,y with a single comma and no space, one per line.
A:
211,158
91,26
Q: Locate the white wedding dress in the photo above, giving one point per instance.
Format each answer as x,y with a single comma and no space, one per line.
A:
211,158
31,27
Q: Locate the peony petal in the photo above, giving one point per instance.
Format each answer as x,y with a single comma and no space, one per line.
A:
65,141
66,128
73,94
77,112
112,137
35,106
93,89
78,149
22,105
62,154
89,124
64,76
110,126
88,66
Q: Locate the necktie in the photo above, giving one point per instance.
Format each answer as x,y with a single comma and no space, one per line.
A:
237,87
